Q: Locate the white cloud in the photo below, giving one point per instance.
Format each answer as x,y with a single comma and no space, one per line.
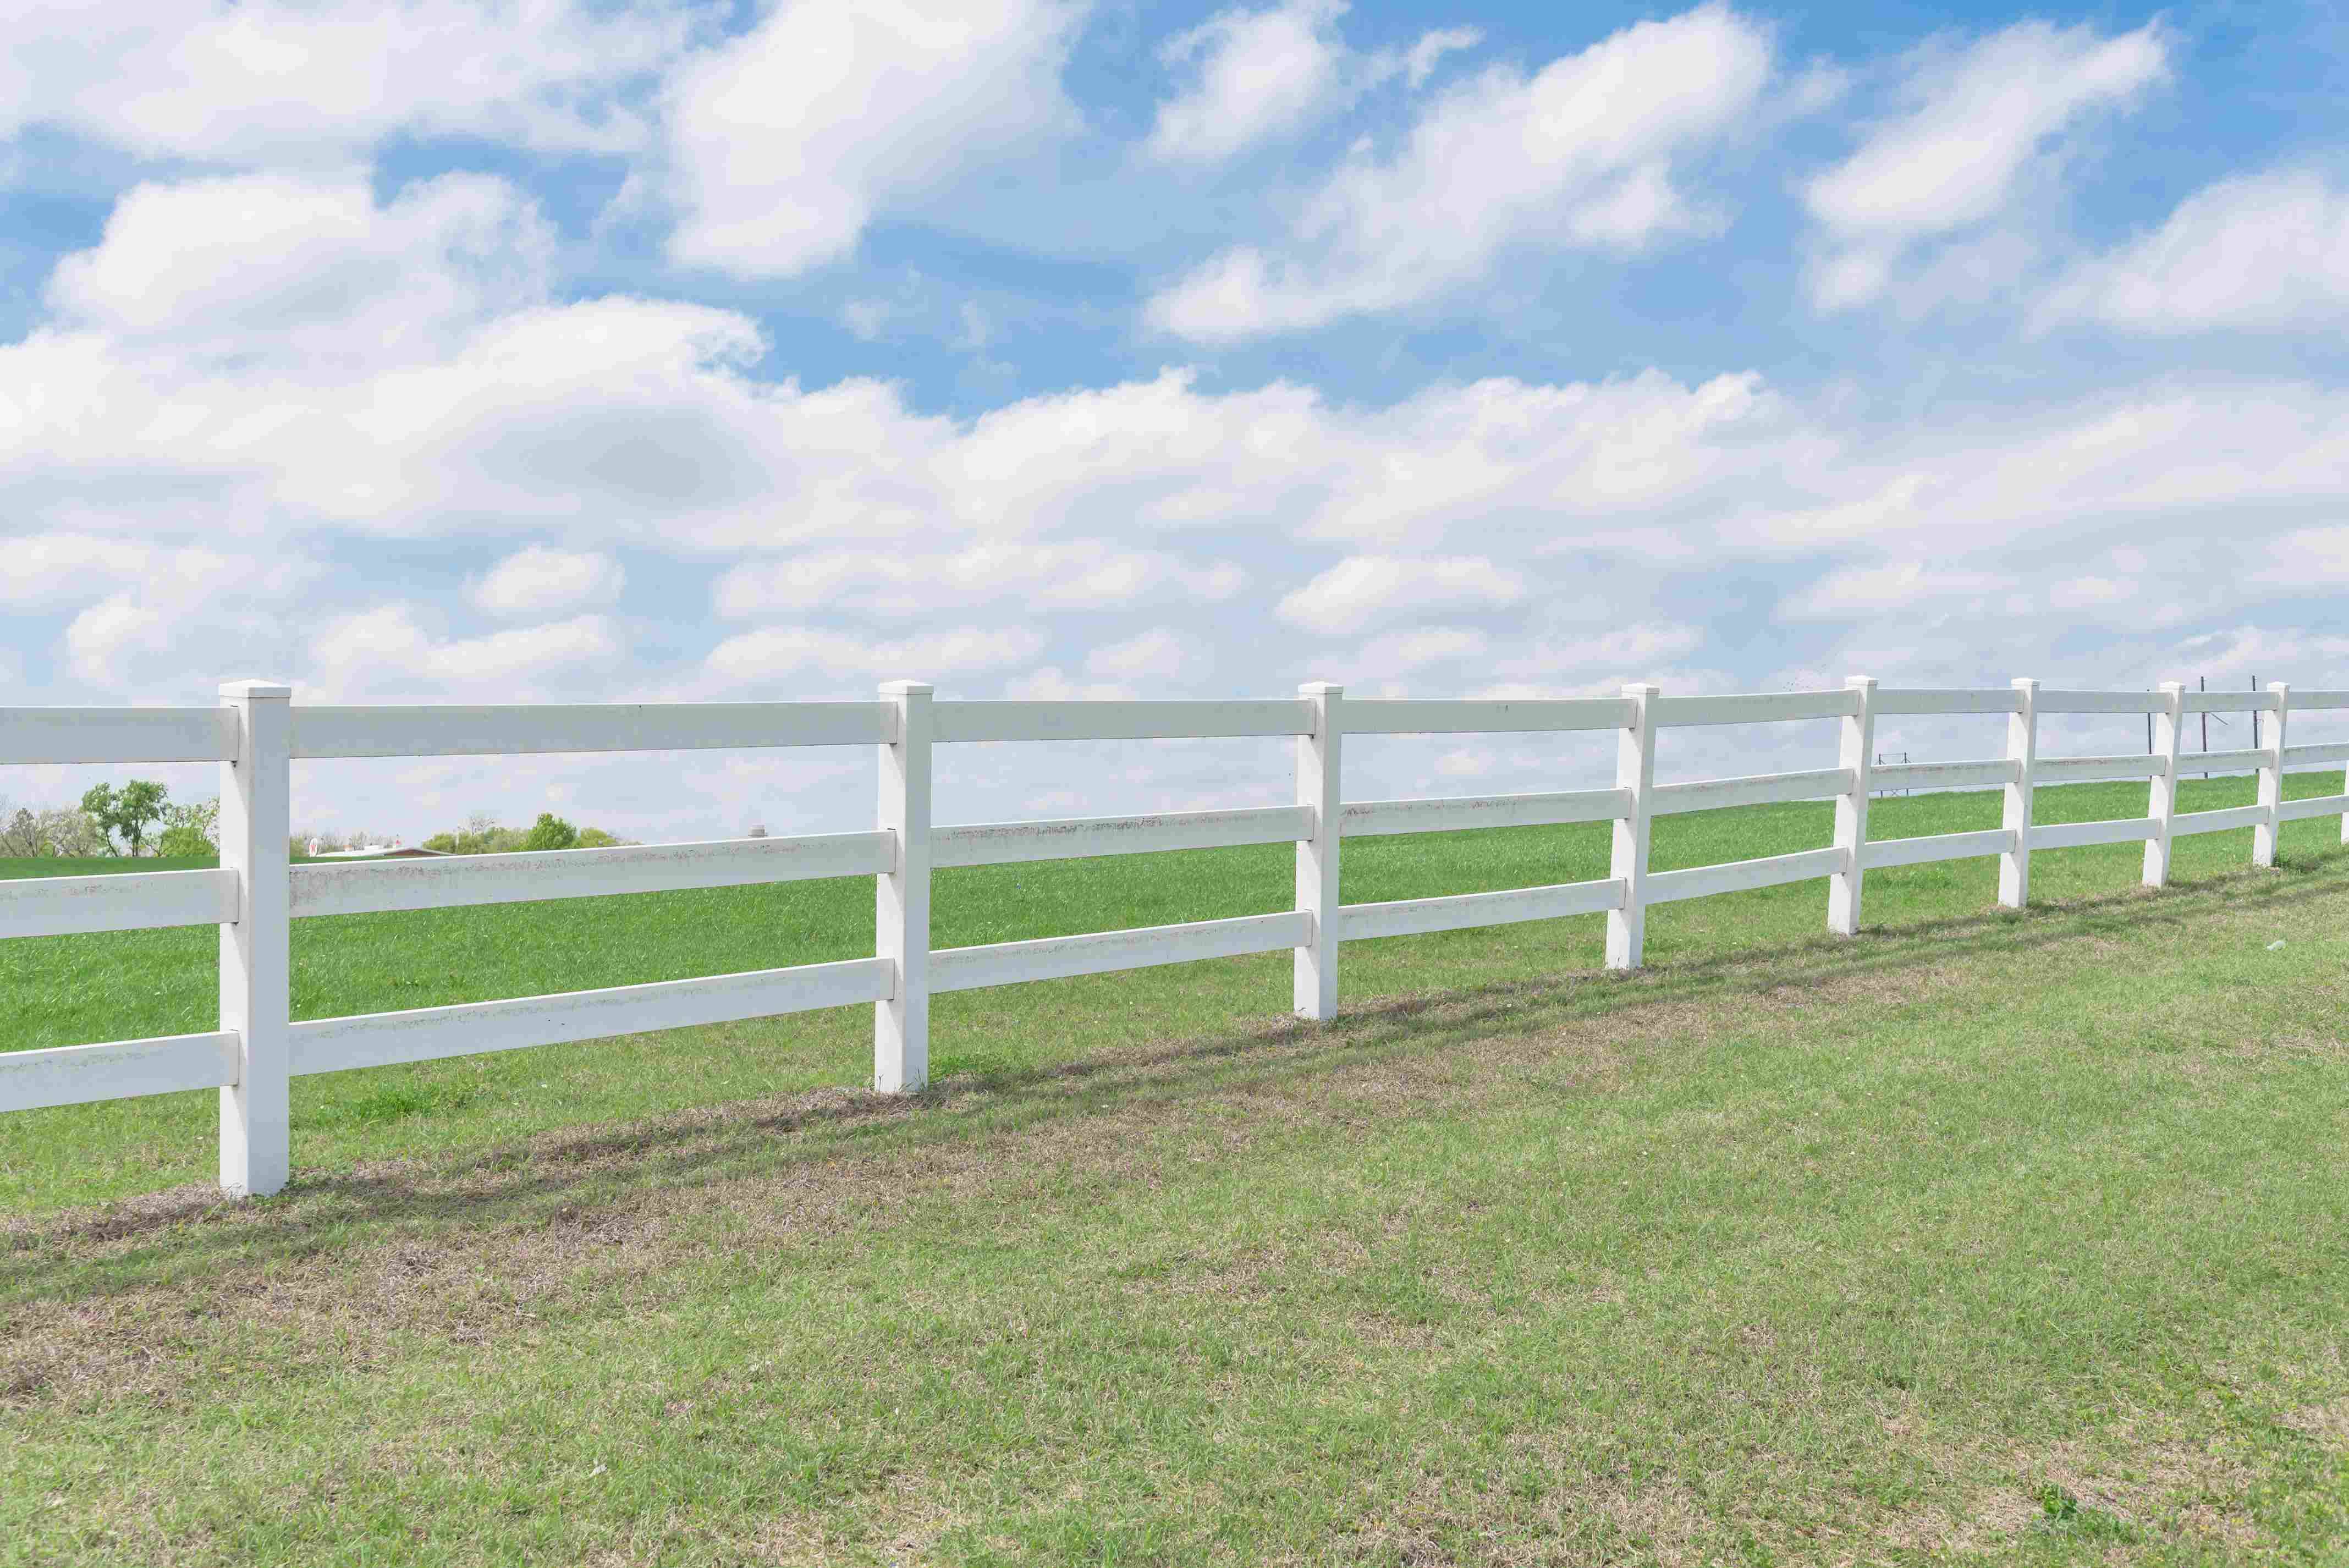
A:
104,638
538,579
146,611
1363,589
449,395
318,84
2306,558
1980,121
1265,74
1162,657
389,652
1601,662
1428,53
1050,683
1401,653
63,568
1579,155
866,318
1857,591
782,143
770,654
1076,574
2265,253
271,265
1261,74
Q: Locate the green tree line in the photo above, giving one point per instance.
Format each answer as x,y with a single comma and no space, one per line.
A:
140,818
481,835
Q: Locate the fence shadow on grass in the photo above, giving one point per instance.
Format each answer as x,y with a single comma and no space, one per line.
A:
613,1176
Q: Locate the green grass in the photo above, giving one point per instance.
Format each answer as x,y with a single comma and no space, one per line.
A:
73,990
1982,1237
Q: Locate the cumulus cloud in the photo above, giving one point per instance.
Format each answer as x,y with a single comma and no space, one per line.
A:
777,652
2261,253
1073,574
1580,155
318,84
1261,74
390,652
1159,655
275,266
538,579
1407,653
1979,122
783,142
1362,589
1258,75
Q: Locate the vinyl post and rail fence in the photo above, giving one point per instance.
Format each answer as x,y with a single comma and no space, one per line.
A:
257,733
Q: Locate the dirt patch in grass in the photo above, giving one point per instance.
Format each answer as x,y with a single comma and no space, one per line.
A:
2125,1489
2328,1424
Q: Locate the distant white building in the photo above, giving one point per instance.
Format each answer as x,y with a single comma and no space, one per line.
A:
394,850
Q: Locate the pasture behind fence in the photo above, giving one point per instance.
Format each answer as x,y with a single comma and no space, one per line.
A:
254,895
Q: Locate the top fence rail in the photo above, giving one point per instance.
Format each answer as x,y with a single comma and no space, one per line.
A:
95,735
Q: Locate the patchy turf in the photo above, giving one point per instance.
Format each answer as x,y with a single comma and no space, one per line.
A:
1983,1236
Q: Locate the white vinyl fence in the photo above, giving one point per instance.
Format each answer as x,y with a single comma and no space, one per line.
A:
257,733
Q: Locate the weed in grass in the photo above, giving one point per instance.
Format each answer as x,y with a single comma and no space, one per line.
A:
2061,1513
391,1102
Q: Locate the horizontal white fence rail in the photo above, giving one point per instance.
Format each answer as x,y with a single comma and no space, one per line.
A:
125,901
1417,916
1004,843
257,733
362,887
1100,952
586,727
1450,813
424,1034
121,1069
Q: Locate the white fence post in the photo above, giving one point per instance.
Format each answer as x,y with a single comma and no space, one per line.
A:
2263,834
1859,750
1321,793
2169,725
1635,770
255,821
901,898
2022,750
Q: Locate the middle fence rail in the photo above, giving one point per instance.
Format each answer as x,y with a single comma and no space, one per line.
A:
257,733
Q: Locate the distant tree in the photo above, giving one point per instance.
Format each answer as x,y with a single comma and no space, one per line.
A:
593,838
190,829
67,830
126,812
551,832
20,835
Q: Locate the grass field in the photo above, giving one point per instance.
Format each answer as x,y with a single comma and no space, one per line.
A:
1982,1236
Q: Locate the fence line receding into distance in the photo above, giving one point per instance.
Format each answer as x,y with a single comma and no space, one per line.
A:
256,895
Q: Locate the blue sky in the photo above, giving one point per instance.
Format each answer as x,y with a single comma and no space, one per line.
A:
551,351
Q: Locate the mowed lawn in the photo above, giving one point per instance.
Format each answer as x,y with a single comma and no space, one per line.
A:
1981,1236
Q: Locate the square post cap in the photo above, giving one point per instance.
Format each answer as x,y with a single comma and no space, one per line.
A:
255,689
906,689
1321,688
